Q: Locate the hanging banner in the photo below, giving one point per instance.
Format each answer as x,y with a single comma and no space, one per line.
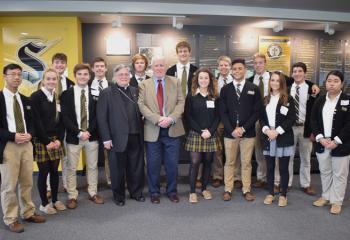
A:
277,52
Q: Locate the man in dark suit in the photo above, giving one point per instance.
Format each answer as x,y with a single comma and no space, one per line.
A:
120,125
183,70
240,104
79,117
16,152
97,84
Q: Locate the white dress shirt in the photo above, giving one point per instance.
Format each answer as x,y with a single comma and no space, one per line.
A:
328,112
95,86
235,83
77,95
271,114
10,115
48,94
180,69
303,97
139,79
266,78
221,81
64,83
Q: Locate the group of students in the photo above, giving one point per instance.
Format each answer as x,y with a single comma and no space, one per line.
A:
211,116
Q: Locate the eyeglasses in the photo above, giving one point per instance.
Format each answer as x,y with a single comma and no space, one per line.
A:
14,74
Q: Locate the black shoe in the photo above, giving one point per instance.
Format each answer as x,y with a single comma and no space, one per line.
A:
139,198
119,203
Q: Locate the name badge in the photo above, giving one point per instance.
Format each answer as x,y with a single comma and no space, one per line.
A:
58,107
28,107
251,92
95,92
210,104
344,102
284,110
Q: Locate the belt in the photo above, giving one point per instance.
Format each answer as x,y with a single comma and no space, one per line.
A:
299,124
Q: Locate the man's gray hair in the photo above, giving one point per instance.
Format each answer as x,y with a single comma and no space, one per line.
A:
158,57
120,67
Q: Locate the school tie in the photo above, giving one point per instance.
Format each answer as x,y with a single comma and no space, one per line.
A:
83,112
261,86
160,96
100,87
18,116
184,81
296,101
225,81
238,90
59,87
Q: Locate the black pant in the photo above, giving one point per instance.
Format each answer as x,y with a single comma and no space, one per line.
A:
196,158
127,165
284,173
44,169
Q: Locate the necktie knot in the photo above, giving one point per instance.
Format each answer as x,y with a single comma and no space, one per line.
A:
261,78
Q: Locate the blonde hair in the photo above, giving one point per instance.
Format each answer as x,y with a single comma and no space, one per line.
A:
225,59
259,55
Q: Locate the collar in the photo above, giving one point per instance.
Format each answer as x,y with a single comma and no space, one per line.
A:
140,76
199,92
181,66
48,94
335,99
103,79
300,85
8,93
122,88
241,82
86,88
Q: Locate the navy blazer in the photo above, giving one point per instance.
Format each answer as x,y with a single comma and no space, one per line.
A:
70,117
285,121
247,107
5,134
340,126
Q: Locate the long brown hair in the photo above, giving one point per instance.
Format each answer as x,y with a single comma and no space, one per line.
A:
283,90
213,85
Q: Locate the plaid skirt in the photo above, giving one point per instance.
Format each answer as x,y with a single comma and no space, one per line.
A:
41,154
195,143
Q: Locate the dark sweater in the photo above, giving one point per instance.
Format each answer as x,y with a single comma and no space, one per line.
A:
44,114
199,116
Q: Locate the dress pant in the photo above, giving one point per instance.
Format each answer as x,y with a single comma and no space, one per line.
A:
91,156
246,147
259,157
334,173
17,169
127,165
166,150
305,149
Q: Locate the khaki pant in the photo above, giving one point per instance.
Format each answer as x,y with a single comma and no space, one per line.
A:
245,146
91,156
334,173
259,157
17,169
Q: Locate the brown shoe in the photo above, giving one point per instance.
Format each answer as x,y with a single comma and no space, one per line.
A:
227,196
155,199
97,199
198,184
16,227
238,184
216,183
309,191
72,203
35,218
249,196
259,184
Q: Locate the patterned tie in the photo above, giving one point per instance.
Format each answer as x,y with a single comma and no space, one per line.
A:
184,81
261,86
225,81
83,112
238,90
18,116
160,96
100,87
296,101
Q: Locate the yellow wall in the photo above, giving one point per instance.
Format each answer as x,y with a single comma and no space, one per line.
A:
58,34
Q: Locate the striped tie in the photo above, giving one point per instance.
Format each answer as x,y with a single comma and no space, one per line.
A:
225,81
100,87
18,116
296,101
238,90
83,112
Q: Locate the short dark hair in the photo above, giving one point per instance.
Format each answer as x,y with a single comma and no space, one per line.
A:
59,56
301,65
336,73
98,59
11,66
238,60
81,66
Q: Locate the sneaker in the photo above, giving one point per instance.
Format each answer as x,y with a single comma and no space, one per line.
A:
48,209
193,198
269,199
321,202
207,195
59,206
335,209
282,201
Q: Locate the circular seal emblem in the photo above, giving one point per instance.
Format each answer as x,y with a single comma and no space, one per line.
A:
274,50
